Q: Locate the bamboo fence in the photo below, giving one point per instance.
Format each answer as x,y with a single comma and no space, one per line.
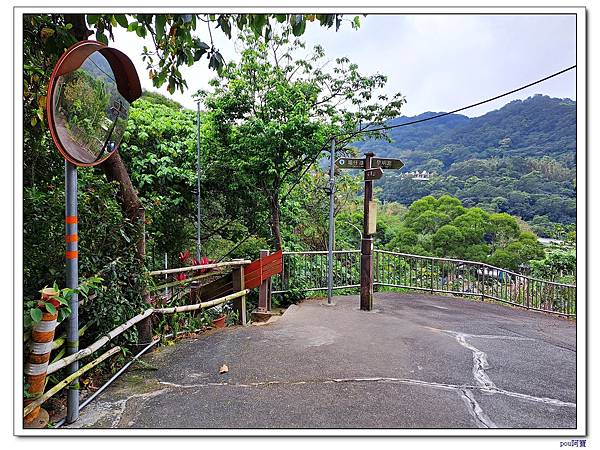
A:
58,387
111,335
123,327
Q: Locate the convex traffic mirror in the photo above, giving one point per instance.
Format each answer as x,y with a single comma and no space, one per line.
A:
89,95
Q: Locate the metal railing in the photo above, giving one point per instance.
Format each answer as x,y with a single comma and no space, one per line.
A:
308,271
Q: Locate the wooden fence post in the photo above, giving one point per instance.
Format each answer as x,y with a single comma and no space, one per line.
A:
263,293
239,303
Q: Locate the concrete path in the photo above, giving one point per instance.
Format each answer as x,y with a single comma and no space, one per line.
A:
416,361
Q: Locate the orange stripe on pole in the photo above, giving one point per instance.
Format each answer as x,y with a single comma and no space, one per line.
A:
71,238
71,220
71,254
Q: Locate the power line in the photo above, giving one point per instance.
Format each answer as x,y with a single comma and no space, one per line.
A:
383,128
437,116
101,70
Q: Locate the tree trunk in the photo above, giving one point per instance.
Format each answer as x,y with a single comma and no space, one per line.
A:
115,170
274,206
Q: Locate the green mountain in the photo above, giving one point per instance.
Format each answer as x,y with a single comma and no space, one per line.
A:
518,159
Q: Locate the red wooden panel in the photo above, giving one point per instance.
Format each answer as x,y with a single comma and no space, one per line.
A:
262,269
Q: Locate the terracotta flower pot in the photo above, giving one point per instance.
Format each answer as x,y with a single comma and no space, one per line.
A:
42,336
219,322
46,294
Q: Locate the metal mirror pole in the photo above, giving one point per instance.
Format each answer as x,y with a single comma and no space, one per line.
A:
331,225
198,245
72,343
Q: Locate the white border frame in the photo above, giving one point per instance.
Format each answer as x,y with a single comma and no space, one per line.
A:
581,96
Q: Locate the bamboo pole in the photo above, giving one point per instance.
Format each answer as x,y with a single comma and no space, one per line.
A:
187,280
187,308
66,381
58,343
99,343
59,355
240,262
121,328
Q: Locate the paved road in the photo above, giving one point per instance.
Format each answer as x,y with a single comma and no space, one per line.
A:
416,361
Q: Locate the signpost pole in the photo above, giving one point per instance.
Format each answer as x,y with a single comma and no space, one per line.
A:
198,245
331,225
366,248
373,170
72,343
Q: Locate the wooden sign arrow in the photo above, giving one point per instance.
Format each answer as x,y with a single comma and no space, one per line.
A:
373,174
350,163
387,163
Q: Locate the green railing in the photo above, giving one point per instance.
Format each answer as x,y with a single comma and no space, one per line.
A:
308,271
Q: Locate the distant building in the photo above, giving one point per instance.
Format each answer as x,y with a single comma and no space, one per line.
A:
417,176
548,241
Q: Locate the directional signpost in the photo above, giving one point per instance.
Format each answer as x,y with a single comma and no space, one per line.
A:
350,163
373,174
373,170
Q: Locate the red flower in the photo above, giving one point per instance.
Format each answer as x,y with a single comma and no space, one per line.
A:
184,256
203,261
181,277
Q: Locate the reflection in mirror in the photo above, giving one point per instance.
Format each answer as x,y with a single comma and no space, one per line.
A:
90,115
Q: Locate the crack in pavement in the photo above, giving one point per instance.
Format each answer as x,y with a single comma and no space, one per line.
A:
483,384
324,381
546,341
475,409
112,411
480,363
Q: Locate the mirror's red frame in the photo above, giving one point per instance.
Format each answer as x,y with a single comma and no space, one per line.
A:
126,77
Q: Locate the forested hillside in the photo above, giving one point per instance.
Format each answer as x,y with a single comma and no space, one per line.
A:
519,159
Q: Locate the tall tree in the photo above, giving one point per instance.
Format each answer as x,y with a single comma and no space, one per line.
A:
275,111
176,43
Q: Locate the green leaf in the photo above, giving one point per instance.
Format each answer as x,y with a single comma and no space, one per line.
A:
92,19
100,37
122,20
299,27
50,308
159,23
257,22
36,314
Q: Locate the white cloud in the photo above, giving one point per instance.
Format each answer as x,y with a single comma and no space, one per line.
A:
439,62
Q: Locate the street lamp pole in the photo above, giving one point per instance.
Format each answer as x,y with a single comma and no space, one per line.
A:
331,224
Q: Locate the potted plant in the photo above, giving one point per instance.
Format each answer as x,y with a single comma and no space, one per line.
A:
44,314
214,318
219,322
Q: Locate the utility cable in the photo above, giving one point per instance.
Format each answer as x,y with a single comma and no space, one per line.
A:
437,116
389,127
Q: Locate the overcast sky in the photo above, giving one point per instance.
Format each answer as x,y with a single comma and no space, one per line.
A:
438,62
